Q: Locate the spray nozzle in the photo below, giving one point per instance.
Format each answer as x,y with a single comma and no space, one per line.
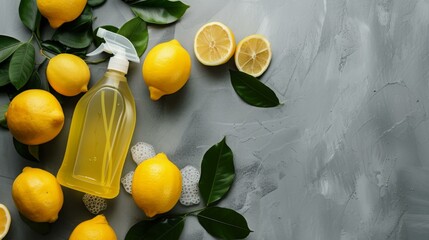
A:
118,45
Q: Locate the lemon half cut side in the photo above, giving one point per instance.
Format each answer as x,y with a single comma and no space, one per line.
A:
214,44
5,220
253,55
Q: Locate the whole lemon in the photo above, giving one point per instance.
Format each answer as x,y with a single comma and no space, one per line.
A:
157,184
166,69
94,229
37,195
34,117
68,74
60,11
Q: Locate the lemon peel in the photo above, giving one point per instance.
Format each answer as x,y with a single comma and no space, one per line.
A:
34,117
96,228
37,195
156,186
59,12
166,69
68,74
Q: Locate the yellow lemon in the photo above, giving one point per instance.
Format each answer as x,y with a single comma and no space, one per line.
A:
253,55
214,44
34,117
4,220
68,74
157,184
60,11
166,69
96,228
37,195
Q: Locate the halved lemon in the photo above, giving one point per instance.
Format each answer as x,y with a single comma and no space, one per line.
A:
214,44
4,220
253,55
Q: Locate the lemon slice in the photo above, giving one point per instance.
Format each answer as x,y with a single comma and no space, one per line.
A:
4,220
214,44
253,55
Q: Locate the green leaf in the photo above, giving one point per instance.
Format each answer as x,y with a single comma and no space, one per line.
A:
8,46
36,82
22,65
3,110
79,39
56,47
217,172
97,40
136,31
24,151
252,91
53,46
4,74
224,223
78,33
159,11
83,22
29,14
169,229
96,3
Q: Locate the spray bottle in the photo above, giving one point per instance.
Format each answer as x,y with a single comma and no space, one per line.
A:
102,125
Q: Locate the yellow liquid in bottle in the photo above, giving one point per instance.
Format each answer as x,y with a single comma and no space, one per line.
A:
100,134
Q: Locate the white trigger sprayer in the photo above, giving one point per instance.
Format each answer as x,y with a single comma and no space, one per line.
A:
121,48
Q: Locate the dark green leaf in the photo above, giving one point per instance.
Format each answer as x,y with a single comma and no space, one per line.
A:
21,65
168,229
3,110
4,74
97,40
78,33
57,48
159,11
79,39
252,91
24,151
36,82
223,223
136,31
53,46
8,46
29,14
95,3
83,22
11,91
217,172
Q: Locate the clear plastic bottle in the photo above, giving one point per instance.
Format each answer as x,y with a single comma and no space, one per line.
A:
100,133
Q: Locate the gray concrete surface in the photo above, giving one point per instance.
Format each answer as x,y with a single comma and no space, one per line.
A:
345,158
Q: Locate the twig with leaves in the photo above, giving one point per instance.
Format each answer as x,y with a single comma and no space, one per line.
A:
217,177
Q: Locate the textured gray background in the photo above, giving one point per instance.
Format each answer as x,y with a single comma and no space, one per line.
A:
346,156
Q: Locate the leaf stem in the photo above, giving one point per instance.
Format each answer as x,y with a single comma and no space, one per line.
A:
44,54
195,211
38,41
182,214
